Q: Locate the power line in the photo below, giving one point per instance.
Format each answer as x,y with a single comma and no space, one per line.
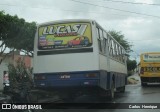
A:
74,11
136,3
88,12
117,9
145,39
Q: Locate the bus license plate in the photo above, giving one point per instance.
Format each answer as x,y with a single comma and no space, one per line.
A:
65,76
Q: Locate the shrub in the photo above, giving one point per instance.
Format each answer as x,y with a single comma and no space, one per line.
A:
19,74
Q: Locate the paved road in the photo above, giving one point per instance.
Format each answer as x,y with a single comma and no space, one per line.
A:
134,94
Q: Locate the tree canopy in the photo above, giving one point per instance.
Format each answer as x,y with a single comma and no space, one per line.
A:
120,38
131,65
16,33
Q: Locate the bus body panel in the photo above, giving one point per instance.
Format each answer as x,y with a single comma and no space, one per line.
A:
66,63
117,69
117,66
103,63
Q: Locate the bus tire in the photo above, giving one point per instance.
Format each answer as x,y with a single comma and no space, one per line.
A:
121,89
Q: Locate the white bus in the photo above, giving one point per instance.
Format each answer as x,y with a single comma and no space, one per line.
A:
78,55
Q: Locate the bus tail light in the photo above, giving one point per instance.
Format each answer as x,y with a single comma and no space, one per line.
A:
40,77
91,75
142,70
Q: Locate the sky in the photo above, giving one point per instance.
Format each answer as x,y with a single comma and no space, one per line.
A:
137,20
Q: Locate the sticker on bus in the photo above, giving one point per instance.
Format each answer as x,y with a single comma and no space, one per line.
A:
69,35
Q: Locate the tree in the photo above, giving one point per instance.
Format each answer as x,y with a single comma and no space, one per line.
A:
120,38
15,33
131,65
19,74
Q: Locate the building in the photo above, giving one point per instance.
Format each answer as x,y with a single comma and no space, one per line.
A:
12,58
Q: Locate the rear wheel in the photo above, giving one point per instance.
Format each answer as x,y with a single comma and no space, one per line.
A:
121,89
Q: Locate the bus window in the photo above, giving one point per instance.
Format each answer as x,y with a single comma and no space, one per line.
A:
105,45
116,51
113,48
104,42
99,32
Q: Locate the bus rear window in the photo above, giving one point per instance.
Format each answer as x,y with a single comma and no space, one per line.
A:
151,57
61,36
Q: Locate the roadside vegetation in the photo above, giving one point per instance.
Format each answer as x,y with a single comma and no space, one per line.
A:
20,74
15,34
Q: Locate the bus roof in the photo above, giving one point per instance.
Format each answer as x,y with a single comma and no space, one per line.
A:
150,53
66,20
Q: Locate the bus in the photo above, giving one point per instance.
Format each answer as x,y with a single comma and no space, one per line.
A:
150,68
78,56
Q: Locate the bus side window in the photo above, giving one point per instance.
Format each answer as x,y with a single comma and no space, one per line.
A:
109,45
99,34
120,53
105,42
112,48
123,56
105,46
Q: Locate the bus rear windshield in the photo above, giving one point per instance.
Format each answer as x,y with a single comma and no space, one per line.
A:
151,57
67,35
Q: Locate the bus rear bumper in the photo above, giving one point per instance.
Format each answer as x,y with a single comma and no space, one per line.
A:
70,79
67,83
150,79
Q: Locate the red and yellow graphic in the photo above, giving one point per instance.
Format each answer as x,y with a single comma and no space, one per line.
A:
68,35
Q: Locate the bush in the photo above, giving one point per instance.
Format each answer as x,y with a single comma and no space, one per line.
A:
19,74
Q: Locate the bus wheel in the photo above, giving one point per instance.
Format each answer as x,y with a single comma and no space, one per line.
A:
121,89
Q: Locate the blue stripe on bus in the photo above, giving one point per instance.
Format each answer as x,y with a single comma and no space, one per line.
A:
65,83
76,79
73,74
80,79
